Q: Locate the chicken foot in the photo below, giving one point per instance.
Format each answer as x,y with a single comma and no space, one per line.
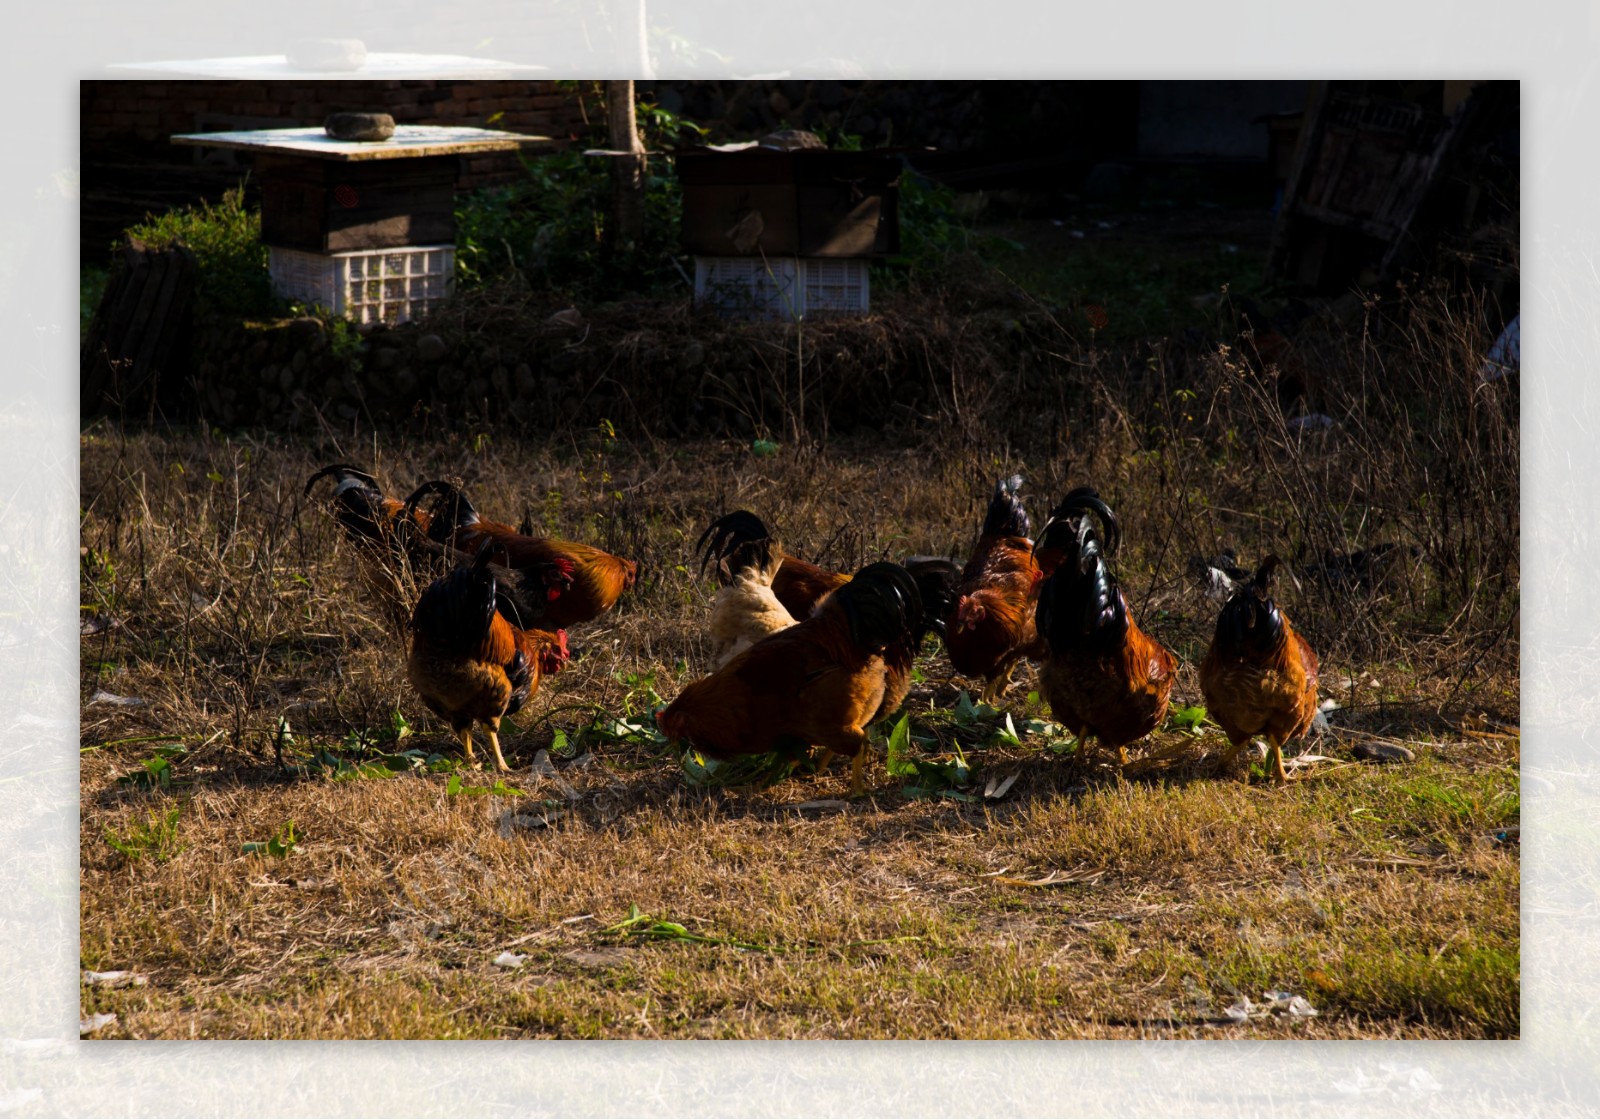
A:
1275,750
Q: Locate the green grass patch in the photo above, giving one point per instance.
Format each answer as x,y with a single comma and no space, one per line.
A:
156,838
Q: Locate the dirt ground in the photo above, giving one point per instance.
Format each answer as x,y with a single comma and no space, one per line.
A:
357,891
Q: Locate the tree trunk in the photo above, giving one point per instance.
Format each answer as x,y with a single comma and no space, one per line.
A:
627,169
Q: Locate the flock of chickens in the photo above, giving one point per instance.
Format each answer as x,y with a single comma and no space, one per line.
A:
808,658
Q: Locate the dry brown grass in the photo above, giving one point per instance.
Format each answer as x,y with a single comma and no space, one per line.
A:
1076,906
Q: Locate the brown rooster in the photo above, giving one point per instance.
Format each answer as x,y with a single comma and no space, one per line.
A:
991,625
820,682
476,654
1260,676
388,537
1104,677
599,578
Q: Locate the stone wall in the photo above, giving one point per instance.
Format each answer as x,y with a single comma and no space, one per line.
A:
651,368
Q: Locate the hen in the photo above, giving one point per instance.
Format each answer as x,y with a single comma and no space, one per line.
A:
386,534
820,682
476,654
1104,677
992,624
1260,675
598,580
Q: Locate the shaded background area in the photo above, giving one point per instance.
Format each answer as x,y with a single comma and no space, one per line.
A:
1041,136
1183,141
1120,211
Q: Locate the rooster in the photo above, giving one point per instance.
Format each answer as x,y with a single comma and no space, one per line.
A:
820,682
797,584
599,578
1218,577
991,626
1104,677
388,536
745,610
476,654
360,505
1260,675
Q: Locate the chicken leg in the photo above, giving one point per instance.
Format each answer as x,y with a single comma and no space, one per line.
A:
996,687
858,767
1279,775
1274,751
494,741
466,744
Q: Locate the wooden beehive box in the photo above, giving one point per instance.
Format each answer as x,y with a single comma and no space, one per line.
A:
324,207
806,203
320,195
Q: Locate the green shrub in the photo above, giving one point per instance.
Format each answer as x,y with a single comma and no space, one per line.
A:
225,239
935,236
551,228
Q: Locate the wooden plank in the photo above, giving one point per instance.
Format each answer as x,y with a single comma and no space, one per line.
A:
1443,154
712,214
410,141
141,343
831,224
1310,140
94,367
394,232
134,335
1352,222
137,319
157,340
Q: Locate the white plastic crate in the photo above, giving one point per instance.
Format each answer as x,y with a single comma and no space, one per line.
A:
369,286
782,287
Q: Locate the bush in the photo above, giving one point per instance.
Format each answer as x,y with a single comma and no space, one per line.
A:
933,234
225,239
551,229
